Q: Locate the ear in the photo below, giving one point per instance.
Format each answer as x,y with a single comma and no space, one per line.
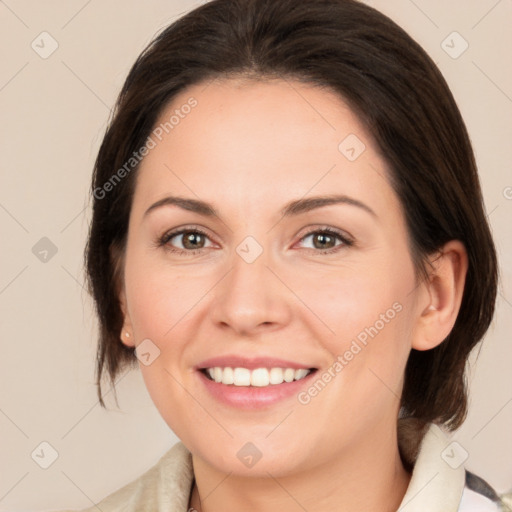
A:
442,297
117,262
126,332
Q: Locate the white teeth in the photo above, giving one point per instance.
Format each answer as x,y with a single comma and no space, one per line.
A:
300,374
241,377
276,376
289,374
227,376
217,374
259,377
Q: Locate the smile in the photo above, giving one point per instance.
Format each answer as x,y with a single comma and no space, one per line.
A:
258,377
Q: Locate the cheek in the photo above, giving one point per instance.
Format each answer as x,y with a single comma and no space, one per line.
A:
369,318
358,303
161,299
162,304
372,322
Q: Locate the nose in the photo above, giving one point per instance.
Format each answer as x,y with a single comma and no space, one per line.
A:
251,298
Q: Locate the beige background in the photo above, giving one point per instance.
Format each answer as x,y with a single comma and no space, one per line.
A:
54,112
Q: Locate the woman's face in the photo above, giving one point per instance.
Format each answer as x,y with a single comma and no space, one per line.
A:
262,284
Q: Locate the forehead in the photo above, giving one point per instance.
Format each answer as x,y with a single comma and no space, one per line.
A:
247,143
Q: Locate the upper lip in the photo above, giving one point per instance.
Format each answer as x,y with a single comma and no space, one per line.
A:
251,363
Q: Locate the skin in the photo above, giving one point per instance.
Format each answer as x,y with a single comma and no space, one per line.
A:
249,148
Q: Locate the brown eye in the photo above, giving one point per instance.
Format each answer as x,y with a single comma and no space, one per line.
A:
323,241
192,241
327,240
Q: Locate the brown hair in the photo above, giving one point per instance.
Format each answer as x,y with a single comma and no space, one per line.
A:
397,92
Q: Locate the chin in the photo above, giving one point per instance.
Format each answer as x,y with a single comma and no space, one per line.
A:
255,458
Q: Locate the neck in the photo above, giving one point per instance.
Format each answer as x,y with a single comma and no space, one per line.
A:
370,477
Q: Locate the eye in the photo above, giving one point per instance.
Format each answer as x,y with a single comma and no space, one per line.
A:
324,240
192,240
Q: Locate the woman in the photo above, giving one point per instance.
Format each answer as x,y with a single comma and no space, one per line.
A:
289,238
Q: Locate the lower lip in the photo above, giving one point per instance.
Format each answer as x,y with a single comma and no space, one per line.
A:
249,397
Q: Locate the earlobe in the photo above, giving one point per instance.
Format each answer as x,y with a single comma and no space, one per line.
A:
445,288
126,338
117,261
126,334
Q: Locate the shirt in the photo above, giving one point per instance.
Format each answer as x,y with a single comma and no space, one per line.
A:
439,481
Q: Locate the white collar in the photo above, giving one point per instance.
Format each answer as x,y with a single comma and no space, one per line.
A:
438,476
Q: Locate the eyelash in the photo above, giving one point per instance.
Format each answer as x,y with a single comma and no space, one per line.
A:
163,241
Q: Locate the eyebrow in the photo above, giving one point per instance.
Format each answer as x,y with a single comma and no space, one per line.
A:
311,203
293,208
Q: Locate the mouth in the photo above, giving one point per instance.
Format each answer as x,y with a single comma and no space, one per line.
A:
257,377
253,383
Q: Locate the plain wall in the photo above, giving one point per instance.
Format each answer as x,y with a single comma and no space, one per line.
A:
54,113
